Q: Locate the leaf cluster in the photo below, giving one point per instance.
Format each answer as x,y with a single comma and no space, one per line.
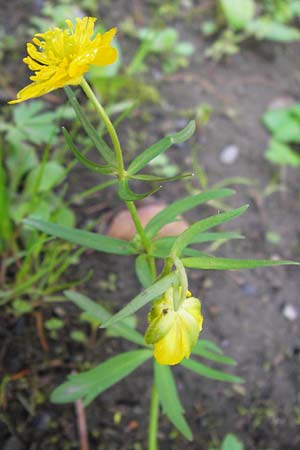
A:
271,20
32,185
284,125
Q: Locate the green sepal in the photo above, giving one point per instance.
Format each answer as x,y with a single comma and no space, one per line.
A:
98,168
126,194
215,263
105,151
87,385
169,399
84,238
159,147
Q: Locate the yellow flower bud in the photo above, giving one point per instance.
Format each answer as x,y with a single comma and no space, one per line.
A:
173,333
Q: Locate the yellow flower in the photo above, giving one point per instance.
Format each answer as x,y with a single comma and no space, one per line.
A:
61,57
173,333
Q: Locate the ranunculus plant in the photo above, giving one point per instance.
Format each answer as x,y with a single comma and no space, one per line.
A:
60,58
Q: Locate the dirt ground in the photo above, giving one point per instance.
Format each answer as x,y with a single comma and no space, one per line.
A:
243,311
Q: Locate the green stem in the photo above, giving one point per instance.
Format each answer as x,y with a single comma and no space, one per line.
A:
121,170
153,423
139,227
110,128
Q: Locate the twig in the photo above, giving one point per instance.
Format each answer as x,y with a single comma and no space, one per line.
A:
40,330
81,423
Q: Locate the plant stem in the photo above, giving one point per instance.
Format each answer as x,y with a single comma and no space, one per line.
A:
139,227
110,128
153,423
121,170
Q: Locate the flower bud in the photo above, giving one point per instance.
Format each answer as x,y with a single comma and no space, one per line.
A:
173,333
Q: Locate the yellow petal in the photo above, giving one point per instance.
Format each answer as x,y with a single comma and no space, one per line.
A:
173,347
105,56
61,57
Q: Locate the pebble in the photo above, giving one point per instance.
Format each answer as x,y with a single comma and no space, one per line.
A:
281,102
229,154
249,289
290,312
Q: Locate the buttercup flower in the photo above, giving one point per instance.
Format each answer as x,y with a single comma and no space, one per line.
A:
61,57
173,333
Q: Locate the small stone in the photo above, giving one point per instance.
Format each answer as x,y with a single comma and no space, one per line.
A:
229,154
290,312
249,289
281,102
122,226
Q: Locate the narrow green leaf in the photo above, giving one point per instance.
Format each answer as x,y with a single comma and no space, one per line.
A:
208,372
161,247
146,177
159,147
88,385
104,150
87,239
5,222
126,194
187,236
209,345
98,168
215,263
169,399
142,299
99,312
143,271
204,352
170,213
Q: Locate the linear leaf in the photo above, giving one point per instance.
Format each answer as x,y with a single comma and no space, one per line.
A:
146,177
161,146
161,247
215,263
104,150
187,236
170,213
142,299
208,372
100,313
98,168
5,222
89,384
126,194
85,238
207,352
169,399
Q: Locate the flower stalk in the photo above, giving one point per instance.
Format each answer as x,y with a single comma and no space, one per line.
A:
110,128
153,419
